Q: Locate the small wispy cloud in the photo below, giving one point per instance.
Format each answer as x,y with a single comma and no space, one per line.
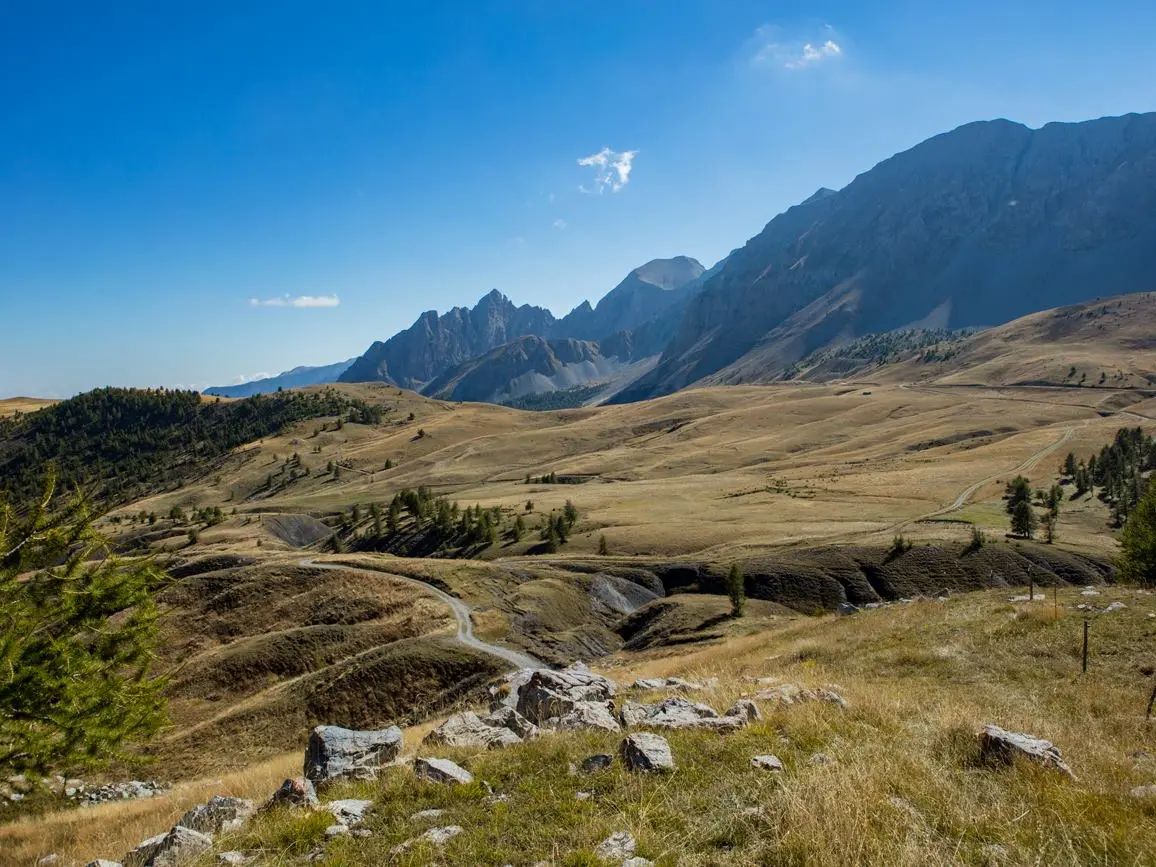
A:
243,378
560,223
611,170
296,301
770,49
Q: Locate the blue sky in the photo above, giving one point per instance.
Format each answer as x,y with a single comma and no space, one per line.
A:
164,164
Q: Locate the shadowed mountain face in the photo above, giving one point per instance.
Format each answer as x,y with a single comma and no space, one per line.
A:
973,227
436,344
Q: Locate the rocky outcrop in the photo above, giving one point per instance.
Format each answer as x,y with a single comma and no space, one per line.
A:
646,752
678,713
587,715
500,728
550,695
999,745
336,753
790,694
297,792
617,847
178,846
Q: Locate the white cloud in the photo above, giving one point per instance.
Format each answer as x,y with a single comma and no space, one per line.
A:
298,301
771,50
242,379
560,223
611,170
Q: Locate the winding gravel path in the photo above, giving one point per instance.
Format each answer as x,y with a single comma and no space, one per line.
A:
460,609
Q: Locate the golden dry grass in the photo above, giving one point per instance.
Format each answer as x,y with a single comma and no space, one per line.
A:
12,405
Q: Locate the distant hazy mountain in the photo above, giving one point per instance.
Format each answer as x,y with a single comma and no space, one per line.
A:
973,227
298,377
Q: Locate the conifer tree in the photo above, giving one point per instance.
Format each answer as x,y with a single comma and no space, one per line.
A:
736,590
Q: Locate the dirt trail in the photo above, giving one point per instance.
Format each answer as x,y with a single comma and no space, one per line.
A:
461,612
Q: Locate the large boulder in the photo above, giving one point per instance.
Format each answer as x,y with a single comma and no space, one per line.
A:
678,713
220,813
501,728
997,744
588,715
178,846
442,771
550,695
336,753
646,752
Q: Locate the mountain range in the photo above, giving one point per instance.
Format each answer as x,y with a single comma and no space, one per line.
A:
971,228
298,377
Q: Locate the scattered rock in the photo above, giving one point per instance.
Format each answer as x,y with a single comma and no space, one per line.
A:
349,811
746,709
103,862
588,715
637,862
583,796
442,771
1141,792
297,792
617,847
434,836
598,762
168,850
219,814
468,730
336,831
846,609
1115,606
820,759
668,683
228,859
336,753
129,791
646,752
425,815
790,694
994,855
1001,745
553,694
48,860
1089,591
768,763
509,718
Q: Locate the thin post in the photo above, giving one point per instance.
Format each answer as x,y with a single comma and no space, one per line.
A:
1151,701
1056,601
1085,645
1031,586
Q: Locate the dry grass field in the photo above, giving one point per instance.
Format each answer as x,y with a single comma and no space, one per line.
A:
11,405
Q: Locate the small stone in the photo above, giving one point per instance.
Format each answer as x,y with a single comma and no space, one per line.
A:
1141,792
434,836
48,860
103,862
442,771
361,833
349,811
994,855
583,796
646,752
297,792
846,609
745,709
220,813
768,763
820,759
1089,591
336,831
1001,745
595,763
228,859
637,862
1115,606
617,847
426,815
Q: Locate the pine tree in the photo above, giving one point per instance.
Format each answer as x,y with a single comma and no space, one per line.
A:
1023,519
1070,466
77,630
602,549
1018,490
570,514
1137,560
736,590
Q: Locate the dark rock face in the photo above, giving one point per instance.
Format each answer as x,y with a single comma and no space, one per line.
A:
435,343
977,226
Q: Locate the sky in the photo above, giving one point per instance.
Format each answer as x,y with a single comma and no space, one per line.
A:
199,193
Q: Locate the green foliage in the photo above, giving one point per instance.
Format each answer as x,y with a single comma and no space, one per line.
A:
1018,490
77,629
736,590
1137,560
978,539
602,547
899,545
1023,519
923,344
123,443
1050,519
566,398
570,514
